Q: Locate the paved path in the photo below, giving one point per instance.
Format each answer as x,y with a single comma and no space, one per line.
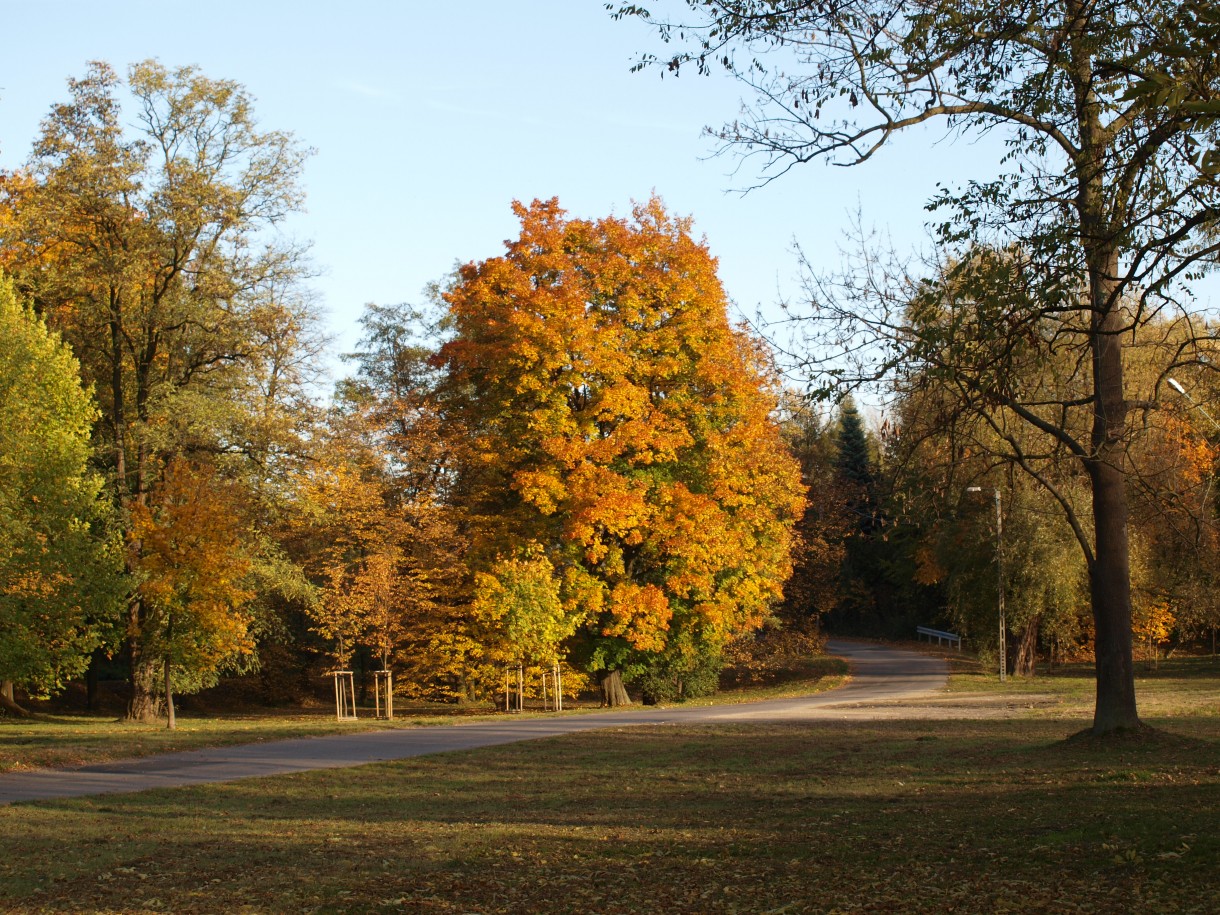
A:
879,675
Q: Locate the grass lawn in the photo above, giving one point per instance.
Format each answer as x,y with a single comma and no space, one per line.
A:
69,740
975,816
988,815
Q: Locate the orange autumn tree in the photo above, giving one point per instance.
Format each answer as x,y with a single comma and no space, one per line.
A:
616,423
389,405
194,566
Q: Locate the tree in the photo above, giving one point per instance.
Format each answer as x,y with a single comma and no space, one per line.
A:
387,422
1043,575
381,545
818,553
58,564
856,484
356,555
1108,202
150,254
614,420
519,601
854,461
190,555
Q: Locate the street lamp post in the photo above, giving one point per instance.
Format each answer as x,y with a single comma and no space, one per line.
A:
1190,400
999,564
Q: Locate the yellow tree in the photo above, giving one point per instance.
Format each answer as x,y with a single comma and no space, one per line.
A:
356,538
384,552
616,420
522,615
389,410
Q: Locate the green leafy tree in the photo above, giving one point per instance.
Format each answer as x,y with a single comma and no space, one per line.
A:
1043,575
519,601
1105,201
59,595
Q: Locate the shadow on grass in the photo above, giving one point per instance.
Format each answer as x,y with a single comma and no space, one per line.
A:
809,817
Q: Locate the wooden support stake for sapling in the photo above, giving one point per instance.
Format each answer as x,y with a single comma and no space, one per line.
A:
345,695
383,680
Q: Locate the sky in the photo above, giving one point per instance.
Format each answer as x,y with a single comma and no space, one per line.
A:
429,118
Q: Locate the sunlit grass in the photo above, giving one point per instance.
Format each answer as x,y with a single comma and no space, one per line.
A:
1178,686
67,740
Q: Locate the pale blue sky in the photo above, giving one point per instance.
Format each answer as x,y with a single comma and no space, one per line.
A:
429,118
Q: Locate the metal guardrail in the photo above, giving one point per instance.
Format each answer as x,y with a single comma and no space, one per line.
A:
940,636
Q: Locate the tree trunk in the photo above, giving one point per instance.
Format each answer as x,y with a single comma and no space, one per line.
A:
1027,650
143,704
613,692
91,682
1110,567
170,722
8,701
1110,573
1110,585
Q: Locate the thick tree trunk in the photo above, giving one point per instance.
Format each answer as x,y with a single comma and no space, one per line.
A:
1110,567
613,692
8,701
1110,574
1110,583
1027,650
143,704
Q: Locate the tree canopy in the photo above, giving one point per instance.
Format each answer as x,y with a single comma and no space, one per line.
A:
618,425
145,247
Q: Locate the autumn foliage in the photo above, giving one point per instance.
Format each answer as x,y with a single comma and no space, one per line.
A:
617,424
189,547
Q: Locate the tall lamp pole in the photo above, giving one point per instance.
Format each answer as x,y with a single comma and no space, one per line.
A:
1190,400
999,564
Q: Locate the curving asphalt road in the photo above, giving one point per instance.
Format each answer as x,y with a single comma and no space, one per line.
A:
879,675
